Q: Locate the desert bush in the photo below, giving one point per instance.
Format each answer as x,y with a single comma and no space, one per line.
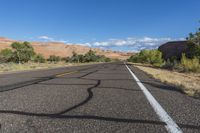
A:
192,65
194,37
168,64
102,58
90,56
6,55
107,59
53,58
153,57
116,60
193,45
64,59
193,50
76,58
23,52
172,64
81,58
136,59
39,58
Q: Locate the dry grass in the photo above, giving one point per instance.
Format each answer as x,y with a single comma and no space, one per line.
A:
188,82
12,67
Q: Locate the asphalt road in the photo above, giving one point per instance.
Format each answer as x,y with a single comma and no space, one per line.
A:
101,98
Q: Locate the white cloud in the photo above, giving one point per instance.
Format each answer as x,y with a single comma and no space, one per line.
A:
85,44
62,41
45,38
50,39
127,44
131,43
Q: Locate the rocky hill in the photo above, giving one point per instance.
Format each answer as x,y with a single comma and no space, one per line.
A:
173,49
64,50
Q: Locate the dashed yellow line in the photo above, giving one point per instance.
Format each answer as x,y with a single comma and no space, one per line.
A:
66,73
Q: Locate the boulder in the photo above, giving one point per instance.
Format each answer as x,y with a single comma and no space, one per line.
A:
173,49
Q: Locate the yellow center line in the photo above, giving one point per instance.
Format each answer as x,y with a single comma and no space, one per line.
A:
66,73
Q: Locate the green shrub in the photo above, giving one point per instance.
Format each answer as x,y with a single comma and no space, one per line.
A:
194,37
107,60
6,55
172,63
53,58
192,65
23,52
64,59
153,57
168,64
102,58
81,58
90,56
39,58
76,58
193,45
193,50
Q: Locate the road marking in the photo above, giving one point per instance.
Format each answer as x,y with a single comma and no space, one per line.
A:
171,126
66,73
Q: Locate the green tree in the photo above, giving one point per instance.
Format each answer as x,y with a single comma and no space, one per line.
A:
102,58
81,58
39,58
107,59
6,55
64,59
22,51
193,50
53,58
90,56
153,57
193,45
74,57
194,37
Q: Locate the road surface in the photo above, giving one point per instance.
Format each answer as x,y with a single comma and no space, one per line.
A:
103,98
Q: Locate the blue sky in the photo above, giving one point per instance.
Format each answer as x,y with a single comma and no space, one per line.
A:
127,25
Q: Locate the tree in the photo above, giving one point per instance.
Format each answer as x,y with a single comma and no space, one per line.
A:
39,58
107,59
90,56
74,57
193,45
22,51
153,57
193,50
194,37
53,58
6,55
66,59
81,58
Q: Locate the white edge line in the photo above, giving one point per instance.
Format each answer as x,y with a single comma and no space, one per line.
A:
171,126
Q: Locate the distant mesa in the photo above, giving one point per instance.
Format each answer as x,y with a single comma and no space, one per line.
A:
65,50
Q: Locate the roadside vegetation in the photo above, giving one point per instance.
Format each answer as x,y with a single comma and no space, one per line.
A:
187,82
173,70
22,56
153,57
